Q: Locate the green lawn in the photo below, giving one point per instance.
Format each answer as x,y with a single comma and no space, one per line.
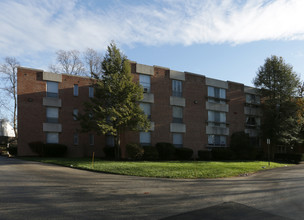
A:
166,169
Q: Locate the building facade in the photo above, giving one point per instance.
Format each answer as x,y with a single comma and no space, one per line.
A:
186,109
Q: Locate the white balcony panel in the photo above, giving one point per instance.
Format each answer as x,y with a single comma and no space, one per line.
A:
217,130
216,83
177,128
148,97
217,107
144,69
177,101
54,77
52,102
252,111
177,75
50,127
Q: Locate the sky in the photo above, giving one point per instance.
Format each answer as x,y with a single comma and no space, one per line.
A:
222,39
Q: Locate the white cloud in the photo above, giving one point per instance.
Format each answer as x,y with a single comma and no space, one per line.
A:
37,26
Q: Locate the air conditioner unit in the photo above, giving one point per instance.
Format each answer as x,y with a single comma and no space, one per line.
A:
145,90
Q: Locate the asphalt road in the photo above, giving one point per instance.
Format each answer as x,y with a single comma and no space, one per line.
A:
30,190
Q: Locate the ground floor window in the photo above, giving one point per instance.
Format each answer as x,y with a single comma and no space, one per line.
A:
178,140
91,137
52,138
110,142
75,139
145,138
217,140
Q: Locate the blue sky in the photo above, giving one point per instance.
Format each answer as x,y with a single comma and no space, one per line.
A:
226,39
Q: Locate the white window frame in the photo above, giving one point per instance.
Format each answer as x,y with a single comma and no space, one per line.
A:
145,82
75,138
216,118
177,114
177,88
52,138
75,114
52,89
146,107
91,91
52,114
145,138
91,139
217,140
75,90
216,94
177,140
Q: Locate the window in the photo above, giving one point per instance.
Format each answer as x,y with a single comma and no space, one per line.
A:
217,140
52,89
110,141
146,107
75,139
145,138
217,95
51,115
91,137
178,140
252,121
75,91
177,114
75,114
217,118
252,99
145,81
52,138
91,92
177,88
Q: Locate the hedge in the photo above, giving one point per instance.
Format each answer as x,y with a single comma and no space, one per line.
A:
109,152
204,155
222,153
166,151
184,153
134,151
48,150
289,157
150,153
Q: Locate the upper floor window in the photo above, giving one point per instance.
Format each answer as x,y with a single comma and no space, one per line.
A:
177,140
177,88
145,81
252,99
217,95
146,107
177,114
217,118
91,92
252,121
217,140
75,114
52,138
52,89
75,139
75,90
52,115
145,138
91,139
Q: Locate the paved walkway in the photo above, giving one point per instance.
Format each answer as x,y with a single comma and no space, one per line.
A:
30,190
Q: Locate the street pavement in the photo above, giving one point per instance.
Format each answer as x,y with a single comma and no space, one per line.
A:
31,190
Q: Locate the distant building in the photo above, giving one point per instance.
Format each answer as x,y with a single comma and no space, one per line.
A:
6,132
185,109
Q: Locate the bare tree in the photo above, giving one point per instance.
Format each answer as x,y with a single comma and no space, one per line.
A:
68,62
8,71
93,61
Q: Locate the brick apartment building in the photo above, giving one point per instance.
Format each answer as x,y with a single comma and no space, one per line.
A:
185,109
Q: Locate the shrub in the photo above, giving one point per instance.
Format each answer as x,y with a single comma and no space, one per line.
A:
184,153
12,149
204,155
109,152
134,151
150,153
55,150
289,157
222,153
166,151
48,150
241,145
37,147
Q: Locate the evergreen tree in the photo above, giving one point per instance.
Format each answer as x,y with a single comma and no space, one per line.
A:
278,87
115,105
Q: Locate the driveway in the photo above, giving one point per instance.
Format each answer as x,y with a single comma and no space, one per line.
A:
30,190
